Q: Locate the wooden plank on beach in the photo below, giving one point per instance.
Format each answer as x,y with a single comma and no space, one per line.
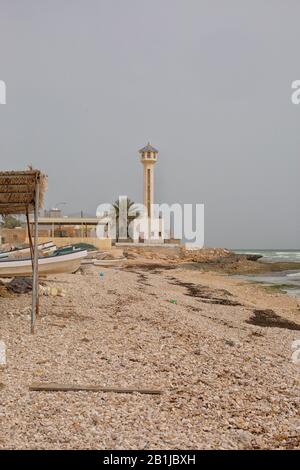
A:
51,387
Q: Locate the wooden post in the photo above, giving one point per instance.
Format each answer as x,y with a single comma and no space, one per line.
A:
29,236
35,274
45,387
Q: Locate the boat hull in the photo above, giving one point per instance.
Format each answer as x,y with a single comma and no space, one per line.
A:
68,263
45,248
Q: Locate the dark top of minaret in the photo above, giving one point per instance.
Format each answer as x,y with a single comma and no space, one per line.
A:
148,148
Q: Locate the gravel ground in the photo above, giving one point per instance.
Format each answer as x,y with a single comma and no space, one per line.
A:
228,384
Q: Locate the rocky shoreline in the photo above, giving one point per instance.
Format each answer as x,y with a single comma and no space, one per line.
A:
208,259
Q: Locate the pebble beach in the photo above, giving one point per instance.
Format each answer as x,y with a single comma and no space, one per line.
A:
219,350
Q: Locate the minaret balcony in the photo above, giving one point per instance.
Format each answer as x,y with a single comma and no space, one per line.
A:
152,157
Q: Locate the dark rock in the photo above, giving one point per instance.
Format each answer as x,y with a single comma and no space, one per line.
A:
253,257
20,285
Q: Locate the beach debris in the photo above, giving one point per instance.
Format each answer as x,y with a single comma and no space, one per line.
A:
229,342
59,325
4,292
23,285
2,354
101,274
85,269
51,387
20,285
268,318
52,291
173,301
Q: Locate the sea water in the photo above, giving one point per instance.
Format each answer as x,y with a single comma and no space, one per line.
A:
290,278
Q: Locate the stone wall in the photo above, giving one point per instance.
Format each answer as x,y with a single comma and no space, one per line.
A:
13,236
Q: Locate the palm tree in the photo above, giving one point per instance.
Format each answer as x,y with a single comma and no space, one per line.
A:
9,221
131,214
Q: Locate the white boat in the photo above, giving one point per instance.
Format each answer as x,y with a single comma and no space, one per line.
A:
109,262
294,275
45,248
53,264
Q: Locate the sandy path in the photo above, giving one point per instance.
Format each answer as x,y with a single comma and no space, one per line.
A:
227,383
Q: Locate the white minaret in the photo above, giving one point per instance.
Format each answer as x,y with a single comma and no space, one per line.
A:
148,159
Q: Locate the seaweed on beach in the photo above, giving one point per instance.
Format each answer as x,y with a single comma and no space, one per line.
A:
216,301
268,318
206,294
142,279
281,288
153,268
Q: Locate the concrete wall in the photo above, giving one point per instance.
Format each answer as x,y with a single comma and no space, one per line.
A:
100,243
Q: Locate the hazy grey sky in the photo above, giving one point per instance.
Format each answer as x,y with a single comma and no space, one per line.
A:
208,82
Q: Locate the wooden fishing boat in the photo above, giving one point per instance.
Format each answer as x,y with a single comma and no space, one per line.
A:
44,248
52,264
75,247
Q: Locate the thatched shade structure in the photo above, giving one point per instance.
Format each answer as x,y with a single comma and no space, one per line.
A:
22,192
18,191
